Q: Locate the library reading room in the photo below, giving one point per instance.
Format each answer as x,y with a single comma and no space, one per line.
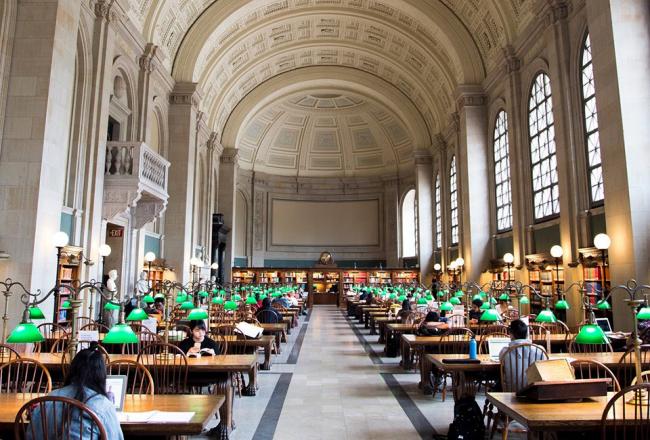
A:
325,219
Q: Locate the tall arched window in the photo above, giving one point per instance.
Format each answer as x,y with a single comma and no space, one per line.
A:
438,214
543,158
453,201
502,173
409,236
592,140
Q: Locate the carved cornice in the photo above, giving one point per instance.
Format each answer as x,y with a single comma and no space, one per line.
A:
512,62
553,11
422,157
470,96
185,94
229,155
105,9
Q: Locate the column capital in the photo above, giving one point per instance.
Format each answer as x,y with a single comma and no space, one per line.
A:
229,155
553,11
438,143
185,94
422,157
105,9
469,95
146,60
213,144
512,62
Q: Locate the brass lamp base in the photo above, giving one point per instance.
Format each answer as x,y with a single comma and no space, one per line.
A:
640,398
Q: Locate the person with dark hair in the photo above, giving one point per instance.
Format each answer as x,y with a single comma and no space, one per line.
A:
85,382
475,312
531,353
267,314
432,326
405,312
199,343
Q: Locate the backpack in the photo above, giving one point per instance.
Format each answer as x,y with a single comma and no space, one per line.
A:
468,421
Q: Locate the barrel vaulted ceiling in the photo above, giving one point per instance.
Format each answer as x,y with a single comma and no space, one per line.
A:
419,49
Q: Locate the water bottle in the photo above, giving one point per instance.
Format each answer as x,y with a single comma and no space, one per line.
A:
472,348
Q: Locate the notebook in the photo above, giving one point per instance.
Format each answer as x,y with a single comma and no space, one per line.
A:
604,324
495,345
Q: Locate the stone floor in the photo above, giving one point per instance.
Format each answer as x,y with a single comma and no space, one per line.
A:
326,385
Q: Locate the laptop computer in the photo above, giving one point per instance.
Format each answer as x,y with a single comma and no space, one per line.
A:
116,390
604,324
495,345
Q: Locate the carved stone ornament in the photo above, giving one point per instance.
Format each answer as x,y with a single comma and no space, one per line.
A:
105,9
512,62
422,158
229,155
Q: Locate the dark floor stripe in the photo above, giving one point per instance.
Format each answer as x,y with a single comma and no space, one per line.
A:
297,345
374,357
269,420
419,421
308,314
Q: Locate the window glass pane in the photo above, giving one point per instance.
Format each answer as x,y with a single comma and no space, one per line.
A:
502,173
409,225
438,214
594,164
542,149
453,201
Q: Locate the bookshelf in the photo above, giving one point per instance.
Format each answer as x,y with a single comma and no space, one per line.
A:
405,276
67,272
294,277
542,276
592,276
352,277
243,276
379,278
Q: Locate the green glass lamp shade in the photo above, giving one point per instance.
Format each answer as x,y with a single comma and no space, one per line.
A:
276,294
504,297
159,295
490,315
181,298
137,315
603,305
482,294
493,301
230,305
429,297
236,297
591,334
562,305
187,305
217,300
440,294
36,313
66,305
120,334
477,296
222,292
148,299
644,313
251,300
524,300
455,301
197,314
392,296
447,306
203,294
485,306
24,333
459,293
546,316
422,301
215,291
111,306
401,298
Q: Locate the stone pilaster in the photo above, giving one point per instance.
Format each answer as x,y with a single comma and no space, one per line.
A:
147,65
620,40
183,116
472,169
391,224
423,190
226,202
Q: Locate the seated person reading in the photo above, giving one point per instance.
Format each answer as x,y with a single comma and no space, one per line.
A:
431,326
405,312
267,314
475,312
199,344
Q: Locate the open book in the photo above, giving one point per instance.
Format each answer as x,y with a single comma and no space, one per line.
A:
203,352
249,330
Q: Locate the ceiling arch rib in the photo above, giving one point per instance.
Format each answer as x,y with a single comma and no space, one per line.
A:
325,123
430,95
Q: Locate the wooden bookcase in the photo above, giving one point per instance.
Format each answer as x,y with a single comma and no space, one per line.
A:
405,276
592,276
68,271
542,276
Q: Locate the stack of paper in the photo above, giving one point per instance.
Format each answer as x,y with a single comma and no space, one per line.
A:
155,417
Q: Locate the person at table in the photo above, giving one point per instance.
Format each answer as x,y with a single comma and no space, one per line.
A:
198,342
85,382
157,309
432,326
475,312
283,301
267,314
405,311
519,336
364,294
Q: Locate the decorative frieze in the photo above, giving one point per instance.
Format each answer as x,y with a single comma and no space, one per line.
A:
229,156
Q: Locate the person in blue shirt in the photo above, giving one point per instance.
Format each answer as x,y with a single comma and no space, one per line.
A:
267,314
85,382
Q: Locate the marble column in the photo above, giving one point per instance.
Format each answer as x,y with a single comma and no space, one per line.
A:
35,141
424,189
620,39
227,196
473,187
183,145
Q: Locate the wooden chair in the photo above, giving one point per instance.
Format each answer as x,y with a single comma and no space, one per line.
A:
167,365
59,345
454,340
7,353
645,377
557,328
589,369
457,320
625,368
536,331
589,348
183,328
628,421
50,332
145,337
139,380
494,330
83,321
25,376
54,418
96,326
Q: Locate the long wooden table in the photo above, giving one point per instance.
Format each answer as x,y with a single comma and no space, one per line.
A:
204,407
542,417
278,330
204,370
492,368
393,335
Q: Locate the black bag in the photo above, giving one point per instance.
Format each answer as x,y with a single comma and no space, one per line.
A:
468,421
